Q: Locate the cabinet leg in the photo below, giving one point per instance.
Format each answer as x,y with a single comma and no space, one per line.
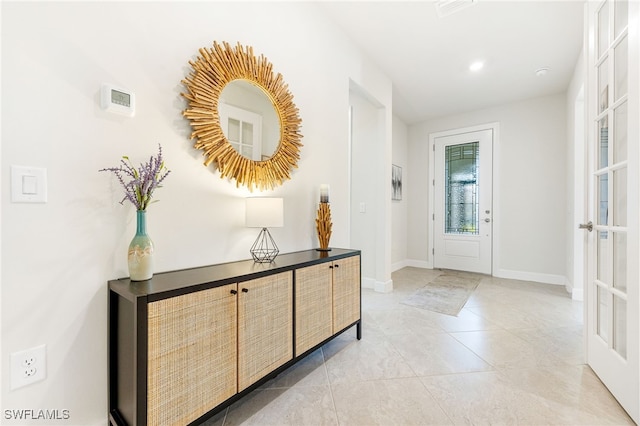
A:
359,330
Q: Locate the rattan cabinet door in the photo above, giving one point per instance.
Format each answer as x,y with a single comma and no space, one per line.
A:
192,355
265,326
346,292
313,296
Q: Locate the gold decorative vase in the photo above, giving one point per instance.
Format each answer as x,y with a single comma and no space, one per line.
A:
323,226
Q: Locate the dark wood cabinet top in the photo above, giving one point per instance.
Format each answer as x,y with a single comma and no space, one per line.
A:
174,283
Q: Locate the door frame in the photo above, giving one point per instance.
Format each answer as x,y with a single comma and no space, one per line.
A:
578,286
495,229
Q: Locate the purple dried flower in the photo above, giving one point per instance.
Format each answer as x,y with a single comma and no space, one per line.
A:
142,181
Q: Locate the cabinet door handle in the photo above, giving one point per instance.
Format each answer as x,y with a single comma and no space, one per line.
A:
337,266
330,267
245,290
234,292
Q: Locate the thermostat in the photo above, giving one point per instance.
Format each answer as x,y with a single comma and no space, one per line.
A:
118,100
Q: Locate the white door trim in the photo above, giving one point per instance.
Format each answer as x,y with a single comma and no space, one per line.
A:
495,127
580,202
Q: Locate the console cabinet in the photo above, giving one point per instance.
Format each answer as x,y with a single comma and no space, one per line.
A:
186,344
346,292
182,383
327,300
265,327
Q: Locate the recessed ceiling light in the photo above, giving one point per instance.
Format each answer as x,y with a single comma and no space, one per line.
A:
540,72
476,66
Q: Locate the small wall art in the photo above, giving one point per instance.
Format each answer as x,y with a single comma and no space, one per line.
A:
396,182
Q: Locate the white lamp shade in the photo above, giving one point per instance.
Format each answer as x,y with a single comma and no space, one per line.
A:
265,212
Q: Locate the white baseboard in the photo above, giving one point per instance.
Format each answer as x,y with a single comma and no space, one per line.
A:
368,283
531,276
399,265
377,286
577,294
418,263
384,287
411,263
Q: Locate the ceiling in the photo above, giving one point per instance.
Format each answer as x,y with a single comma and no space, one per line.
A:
428,57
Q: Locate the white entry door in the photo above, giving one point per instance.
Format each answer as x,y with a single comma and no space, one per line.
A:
612,299
462,203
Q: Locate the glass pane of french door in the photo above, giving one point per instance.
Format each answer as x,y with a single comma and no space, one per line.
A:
620,326
620,132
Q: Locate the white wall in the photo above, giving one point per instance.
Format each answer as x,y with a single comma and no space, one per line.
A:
417,195
399,209
57,257
365,142
530,187
370,196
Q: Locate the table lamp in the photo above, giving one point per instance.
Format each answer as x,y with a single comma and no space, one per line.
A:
264,212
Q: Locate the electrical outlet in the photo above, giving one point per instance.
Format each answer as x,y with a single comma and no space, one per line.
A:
28,366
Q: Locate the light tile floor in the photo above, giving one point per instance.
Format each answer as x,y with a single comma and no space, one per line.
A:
513,356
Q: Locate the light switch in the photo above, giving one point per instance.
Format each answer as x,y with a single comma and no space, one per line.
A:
28,184
363,208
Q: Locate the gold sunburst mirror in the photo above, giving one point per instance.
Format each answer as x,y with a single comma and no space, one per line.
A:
228,143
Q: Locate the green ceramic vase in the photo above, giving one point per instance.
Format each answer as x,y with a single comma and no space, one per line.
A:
140,257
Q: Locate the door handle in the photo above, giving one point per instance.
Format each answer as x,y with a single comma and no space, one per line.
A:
487,220
588,226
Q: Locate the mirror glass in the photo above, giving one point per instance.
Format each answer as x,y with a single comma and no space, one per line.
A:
249,120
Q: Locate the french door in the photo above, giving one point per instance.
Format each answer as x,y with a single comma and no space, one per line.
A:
462,205
613,300
243,130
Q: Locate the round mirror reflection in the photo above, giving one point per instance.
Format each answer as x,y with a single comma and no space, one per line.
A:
249,120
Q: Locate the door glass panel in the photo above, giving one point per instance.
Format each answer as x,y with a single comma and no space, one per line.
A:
620,16
603,142
603,85
619,199
603,199
461,188
234,130
620,133
247,151
620,65
603,314
247,133
620,261
620,326
604,261
603,28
